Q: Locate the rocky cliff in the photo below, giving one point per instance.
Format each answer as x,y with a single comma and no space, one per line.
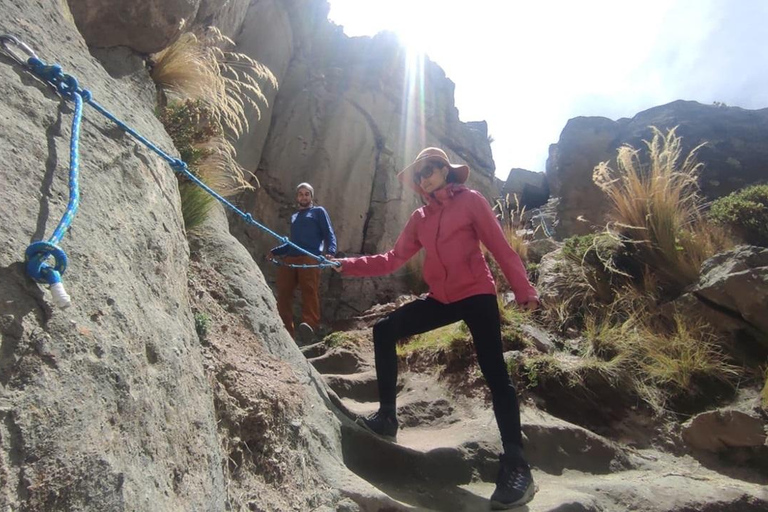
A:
734,156
170,383
117,403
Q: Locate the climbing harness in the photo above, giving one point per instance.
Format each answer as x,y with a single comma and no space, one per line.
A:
38,253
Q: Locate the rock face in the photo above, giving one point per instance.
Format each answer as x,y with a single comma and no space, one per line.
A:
104,405
734,156
227,16
146,26
531,188
343,121
113,404
732,293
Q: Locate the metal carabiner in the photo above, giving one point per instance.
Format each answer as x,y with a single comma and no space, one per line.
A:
7,40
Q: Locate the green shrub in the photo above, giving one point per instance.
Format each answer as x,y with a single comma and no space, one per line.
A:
189,125
195,204
202,324
745,212
346,339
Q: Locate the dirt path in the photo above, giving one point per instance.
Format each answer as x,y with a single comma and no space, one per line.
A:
446,455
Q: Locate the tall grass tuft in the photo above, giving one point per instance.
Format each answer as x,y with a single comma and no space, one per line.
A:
198,66
205,91
195,204
658,363
657,211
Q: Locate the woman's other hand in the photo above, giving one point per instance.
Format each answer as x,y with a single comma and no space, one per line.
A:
531,305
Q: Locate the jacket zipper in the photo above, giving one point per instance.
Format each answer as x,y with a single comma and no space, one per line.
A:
437,252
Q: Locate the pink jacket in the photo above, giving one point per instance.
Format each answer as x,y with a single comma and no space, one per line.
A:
450,229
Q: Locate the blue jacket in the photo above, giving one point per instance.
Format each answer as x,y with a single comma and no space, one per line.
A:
311,230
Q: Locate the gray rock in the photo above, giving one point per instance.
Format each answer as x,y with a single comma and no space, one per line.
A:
732,292
146,26
531,188
725,429
537,249
227,16
251,299
105,405
539,337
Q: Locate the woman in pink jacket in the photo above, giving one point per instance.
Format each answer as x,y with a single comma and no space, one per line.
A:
450,228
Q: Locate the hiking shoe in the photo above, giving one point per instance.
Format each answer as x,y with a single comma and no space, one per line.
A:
383,424
514,485
306,334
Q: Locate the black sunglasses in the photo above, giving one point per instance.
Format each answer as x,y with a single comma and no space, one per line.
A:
427,171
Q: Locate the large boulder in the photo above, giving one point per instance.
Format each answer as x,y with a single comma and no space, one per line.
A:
146,26
227,16
732,293
734,156
725,429
737,281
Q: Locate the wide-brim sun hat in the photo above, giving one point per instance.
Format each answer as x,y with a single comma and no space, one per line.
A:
427,155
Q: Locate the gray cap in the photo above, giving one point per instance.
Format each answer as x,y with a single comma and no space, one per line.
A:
306,186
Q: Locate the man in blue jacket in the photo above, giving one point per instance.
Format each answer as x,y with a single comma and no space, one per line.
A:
312,231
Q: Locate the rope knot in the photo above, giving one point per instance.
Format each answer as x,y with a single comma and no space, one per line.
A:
86,95
178,165
36,255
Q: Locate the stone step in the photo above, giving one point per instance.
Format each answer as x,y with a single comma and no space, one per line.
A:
361,387
339,361
314,350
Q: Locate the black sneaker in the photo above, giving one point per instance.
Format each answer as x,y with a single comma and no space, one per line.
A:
514,485
383,424
306,334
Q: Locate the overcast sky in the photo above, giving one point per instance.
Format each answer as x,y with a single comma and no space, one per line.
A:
526,67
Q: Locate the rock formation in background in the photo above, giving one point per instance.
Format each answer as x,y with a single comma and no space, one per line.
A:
735,155
531,188
348,115
146,26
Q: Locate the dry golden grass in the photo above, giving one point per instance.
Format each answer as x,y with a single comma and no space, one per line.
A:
219,169
658,360
656,209
199,67
516,241
764,394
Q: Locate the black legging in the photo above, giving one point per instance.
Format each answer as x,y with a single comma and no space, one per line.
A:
481,314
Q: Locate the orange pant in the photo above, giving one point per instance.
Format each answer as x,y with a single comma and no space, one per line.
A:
308,280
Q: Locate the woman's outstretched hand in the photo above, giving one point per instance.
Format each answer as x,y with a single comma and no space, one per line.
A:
531,305
338,267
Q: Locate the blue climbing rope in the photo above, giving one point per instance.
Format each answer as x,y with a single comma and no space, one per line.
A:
542,222
68,88
280,263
